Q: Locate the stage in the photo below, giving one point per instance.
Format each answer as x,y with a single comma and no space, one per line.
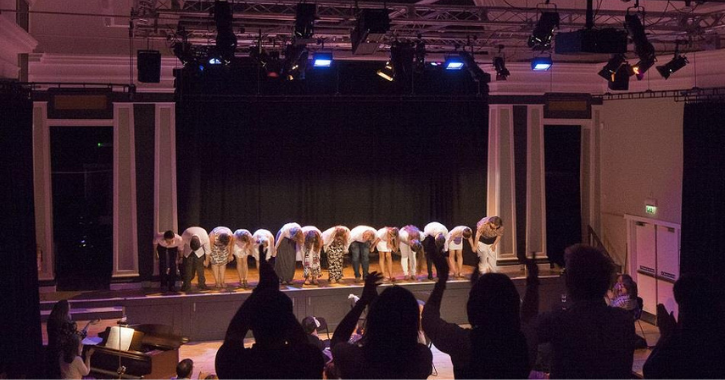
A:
204,315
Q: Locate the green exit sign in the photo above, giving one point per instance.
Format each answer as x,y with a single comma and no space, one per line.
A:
650,209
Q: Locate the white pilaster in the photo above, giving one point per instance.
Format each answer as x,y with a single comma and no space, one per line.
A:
125,238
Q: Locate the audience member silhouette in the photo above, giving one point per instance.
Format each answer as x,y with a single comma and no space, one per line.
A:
184,369
495,346
694,345
281,349
389,347
588,339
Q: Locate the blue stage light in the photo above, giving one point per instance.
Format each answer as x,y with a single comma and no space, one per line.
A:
453,62
322,60
541,63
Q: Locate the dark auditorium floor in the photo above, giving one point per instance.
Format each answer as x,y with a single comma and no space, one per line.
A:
203,353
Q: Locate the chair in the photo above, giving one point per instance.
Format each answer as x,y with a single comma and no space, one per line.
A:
637,312
323,325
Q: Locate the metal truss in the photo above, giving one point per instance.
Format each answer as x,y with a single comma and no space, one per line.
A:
692,95
442,27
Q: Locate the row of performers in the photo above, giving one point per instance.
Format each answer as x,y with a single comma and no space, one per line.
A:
196,248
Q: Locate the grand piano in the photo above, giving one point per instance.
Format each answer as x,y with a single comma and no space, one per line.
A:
137,351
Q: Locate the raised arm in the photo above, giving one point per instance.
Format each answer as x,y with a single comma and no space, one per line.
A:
444,335
346,327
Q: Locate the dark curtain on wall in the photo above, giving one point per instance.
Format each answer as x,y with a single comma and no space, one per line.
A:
703,191
262,162
21,338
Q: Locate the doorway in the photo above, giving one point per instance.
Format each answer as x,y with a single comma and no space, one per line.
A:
82,180
562,155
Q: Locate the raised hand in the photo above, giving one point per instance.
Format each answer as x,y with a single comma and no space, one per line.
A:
665,321
267,276
370,290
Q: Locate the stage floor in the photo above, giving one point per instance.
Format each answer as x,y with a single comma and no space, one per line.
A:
231,280
204,314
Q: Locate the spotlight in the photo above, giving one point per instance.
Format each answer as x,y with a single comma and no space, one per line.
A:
320,59
541,63
419,56
642,47
295,62
400,63
678,62
614,63
544,30
501,71
641,67
477,74
226,40
620,79
387,72
453,62
369,30
305,20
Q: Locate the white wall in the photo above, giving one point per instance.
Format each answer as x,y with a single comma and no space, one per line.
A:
641,157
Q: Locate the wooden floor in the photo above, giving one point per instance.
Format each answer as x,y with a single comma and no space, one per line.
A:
231,280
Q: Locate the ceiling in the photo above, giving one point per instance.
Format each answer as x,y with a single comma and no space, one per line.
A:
483,26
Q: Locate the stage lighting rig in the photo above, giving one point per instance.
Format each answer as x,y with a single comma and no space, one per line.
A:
544,31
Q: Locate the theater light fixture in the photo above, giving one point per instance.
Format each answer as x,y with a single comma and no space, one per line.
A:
499,64
306,14
501,71
620,78
642,47
320,59
226,40
387,72
453,62
607,72
678,62
543,32
295,62
541,63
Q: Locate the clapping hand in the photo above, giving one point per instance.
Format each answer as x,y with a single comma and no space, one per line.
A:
267,276
665,321
370,290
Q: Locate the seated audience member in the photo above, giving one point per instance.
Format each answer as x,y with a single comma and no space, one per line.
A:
389,347
310,325
495,347
184,369
624,293
72,365
694,345
588,339
281,349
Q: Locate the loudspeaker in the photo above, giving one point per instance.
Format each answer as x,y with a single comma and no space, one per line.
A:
149,66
